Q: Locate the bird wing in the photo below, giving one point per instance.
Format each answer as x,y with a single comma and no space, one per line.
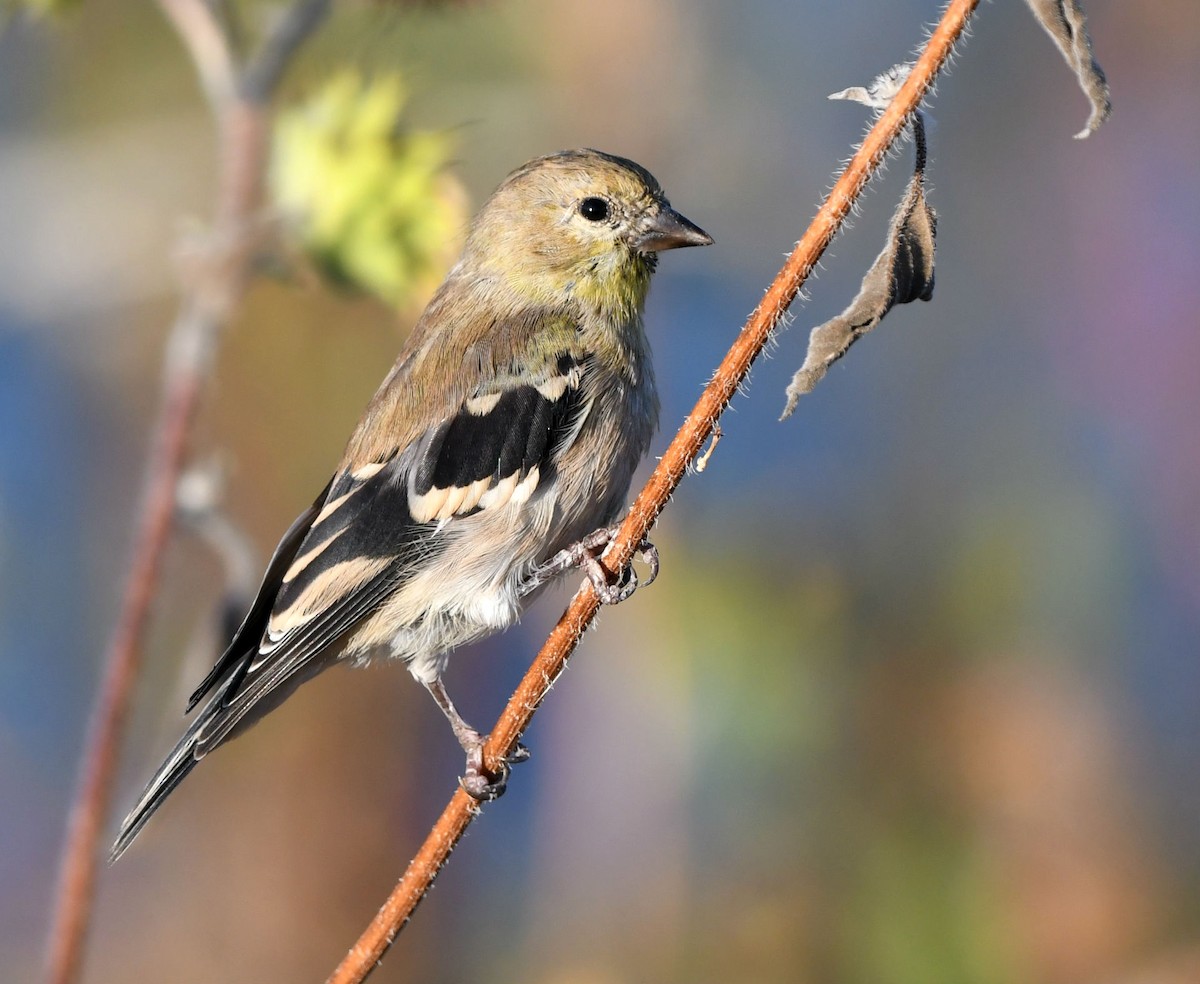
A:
377,524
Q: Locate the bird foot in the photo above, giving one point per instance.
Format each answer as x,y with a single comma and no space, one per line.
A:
585,554
480,784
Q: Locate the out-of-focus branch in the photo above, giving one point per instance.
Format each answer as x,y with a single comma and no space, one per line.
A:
296,23
202,31
199,497
216,270
683,450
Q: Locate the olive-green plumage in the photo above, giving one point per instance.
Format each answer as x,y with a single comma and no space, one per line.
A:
508,430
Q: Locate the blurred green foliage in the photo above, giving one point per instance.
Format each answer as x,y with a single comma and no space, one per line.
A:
369,200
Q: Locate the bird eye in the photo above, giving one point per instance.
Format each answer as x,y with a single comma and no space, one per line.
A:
594,209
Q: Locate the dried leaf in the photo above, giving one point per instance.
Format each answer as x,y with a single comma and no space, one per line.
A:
1066,23
902,272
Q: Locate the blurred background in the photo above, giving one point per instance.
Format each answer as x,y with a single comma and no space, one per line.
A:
917,696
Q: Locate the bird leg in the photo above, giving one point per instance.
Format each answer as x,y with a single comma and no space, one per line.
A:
476,781
585,554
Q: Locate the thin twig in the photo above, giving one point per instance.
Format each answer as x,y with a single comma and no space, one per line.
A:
551,660
216,279
204,34
297,23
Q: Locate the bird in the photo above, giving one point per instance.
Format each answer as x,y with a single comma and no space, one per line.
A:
495,455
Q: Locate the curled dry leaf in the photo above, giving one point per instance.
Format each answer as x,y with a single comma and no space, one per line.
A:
702,461
1066,23
882,89
902,272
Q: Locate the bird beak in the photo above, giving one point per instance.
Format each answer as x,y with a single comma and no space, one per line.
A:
670,230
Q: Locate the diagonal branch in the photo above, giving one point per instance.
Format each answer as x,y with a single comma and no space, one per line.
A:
218,270
550,662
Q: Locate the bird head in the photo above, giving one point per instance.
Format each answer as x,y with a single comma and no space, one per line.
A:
580,223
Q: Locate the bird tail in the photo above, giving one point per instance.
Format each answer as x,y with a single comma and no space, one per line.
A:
228,711
170,774
183,758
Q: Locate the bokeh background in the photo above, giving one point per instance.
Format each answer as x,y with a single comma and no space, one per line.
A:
917,697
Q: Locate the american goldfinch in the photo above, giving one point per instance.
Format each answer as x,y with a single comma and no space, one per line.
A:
493,457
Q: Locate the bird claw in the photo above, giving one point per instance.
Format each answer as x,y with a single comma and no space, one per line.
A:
484,786
585,554
608,593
